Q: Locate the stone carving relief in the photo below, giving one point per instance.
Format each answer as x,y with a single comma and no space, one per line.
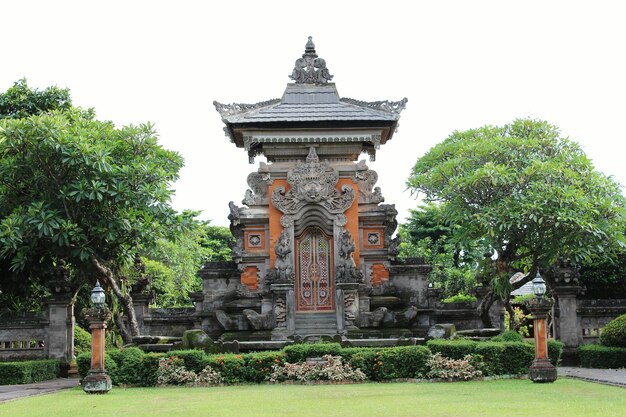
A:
350,307
366,179
391,224
283,269
346,270
258,182
310,69
258,321
280,312
372,318
313,182
234,109
227,321
236,230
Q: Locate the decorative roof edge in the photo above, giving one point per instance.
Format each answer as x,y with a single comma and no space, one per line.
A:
238,108
393,107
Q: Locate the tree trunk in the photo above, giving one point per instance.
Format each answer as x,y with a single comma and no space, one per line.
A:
484,306
125,299
509,309
127,337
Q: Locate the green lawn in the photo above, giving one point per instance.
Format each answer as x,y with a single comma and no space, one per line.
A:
502,398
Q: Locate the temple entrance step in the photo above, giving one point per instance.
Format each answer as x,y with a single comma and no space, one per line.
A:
316,323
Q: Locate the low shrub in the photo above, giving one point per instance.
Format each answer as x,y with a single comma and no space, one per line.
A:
130,366
598,356
82,340
391,363
453,349
300,352
171,371
555,351
459,298
614,333
466,369
500,358
27,372
249,367
508,336
505,358
194,359
332,370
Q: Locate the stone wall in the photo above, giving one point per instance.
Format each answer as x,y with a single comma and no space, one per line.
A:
49,334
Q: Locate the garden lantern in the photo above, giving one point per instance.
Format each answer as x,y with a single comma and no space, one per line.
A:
539,286
97,296
541,370
97,381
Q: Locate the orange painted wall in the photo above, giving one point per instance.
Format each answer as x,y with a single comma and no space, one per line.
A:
274,218
353,216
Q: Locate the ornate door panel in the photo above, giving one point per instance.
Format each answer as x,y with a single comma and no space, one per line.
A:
314,271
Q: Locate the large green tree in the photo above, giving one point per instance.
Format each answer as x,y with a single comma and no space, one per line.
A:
426,234
173,263
531,195
81,191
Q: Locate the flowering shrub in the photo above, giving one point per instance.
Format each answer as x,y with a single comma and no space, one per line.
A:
332,370
172,372
448,369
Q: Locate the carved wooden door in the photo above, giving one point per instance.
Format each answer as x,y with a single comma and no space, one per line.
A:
314,271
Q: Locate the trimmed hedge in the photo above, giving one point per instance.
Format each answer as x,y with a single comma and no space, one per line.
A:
598,356
27,372
390,363
614,333
132,366
299,352
500,358
555,351
129,366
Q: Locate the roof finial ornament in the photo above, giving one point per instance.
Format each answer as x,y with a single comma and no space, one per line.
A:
310,69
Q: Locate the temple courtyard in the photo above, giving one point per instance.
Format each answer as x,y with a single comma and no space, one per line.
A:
504,397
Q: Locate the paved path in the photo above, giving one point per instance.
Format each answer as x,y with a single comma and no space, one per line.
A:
615,377
14,392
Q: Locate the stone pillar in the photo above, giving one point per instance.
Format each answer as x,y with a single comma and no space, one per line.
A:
567,323
284,311
60,329
541,370
141,302
97,381
349,302
567,326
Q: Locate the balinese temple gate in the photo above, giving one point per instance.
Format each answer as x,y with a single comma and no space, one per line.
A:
314,248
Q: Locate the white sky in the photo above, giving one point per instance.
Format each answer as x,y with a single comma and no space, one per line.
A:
462,64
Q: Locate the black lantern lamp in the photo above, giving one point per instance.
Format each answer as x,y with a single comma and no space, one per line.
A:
539,287
97,296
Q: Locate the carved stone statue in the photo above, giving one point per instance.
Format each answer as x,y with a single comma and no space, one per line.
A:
283,269
346,270
258,321
235,229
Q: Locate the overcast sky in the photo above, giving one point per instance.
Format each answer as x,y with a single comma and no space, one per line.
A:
461,64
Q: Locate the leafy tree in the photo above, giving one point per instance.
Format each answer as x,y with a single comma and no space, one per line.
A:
427,235
532,196
82,191
173,263
22,101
